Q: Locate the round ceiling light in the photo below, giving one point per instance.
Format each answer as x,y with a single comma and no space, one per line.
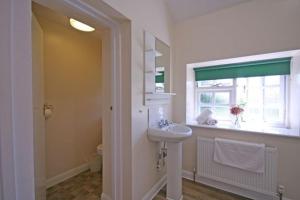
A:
81,26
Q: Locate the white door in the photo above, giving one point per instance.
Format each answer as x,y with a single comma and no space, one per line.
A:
38,110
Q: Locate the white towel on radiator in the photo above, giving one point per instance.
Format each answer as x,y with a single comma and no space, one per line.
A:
243,155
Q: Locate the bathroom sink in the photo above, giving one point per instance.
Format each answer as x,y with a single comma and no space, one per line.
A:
171,133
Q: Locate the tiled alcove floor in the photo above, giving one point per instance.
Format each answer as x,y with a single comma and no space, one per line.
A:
85,186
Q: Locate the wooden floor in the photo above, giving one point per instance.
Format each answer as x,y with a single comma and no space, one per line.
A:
196,191
88,186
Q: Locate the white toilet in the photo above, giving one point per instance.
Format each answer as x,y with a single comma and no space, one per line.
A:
96,164
99,149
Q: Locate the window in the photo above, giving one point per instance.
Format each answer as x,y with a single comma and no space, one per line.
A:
216,95
263,98
258,86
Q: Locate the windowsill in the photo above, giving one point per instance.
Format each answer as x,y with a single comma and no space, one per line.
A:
244,128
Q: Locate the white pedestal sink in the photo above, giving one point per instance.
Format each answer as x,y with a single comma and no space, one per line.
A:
173,134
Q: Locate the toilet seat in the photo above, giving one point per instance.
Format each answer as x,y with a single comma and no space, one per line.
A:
99,149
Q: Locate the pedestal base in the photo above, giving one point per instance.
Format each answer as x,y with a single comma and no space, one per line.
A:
181,198
174,166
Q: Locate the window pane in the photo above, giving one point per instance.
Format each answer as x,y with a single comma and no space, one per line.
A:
221,113
272,114
203,108
205,83
216,83
242,91
242,81
272,95
255,82
206,97
250,96
253,114
222,98
224,82
255,97
261,97
272,80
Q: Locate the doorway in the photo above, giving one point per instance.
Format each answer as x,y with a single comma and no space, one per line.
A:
67,71
17,138
111,103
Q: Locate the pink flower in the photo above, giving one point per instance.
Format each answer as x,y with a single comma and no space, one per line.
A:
236,110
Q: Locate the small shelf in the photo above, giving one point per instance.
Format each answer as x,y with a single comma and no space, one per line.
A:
166,93
152,98
157,53
161,93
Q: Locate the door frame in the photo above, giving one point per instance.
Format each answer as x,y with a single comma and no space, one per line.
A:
16,118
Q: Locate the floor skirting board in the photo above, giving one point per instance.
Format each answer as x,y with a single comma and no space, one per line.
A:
162,182
66,175
156,188
228,188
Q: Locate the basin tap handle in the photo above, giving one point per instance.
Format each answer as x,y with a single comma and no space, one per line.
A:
166,122
161,123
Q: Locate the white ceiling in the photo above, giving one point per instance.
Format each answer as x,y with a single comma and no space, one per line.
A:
184,9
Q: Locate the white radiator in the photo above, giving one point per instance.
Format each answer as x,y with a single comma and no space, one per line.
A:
265,183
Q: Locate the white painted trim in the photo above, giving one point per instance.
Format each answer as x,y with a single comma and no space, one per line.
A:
189,175
7,170
155,188
105,197
16,148
228,188
66,175
116,121
282,54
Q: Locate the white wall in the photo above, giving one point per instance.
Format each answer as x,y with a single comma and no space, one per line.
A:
256,27
16,100
144,172
152,16
73,87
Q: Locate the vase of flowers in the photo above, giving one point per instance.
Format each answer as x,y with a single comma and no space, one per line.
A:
236,111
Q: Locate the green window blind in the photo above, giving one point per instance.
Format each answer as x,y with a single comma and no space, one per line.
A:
280,66
160,78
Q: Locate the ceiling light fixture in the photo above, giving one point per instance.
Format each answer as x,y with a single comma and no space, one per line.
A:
81,26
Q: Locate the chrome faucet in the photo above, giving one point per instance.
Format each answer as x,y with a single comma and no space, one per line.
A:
163,123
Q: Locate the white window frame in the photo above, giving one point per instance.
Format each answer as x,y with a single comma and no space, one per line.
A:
213,89
284,100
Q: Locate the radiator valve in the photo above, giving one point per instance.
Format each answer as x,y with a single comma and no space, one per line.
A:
280,191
